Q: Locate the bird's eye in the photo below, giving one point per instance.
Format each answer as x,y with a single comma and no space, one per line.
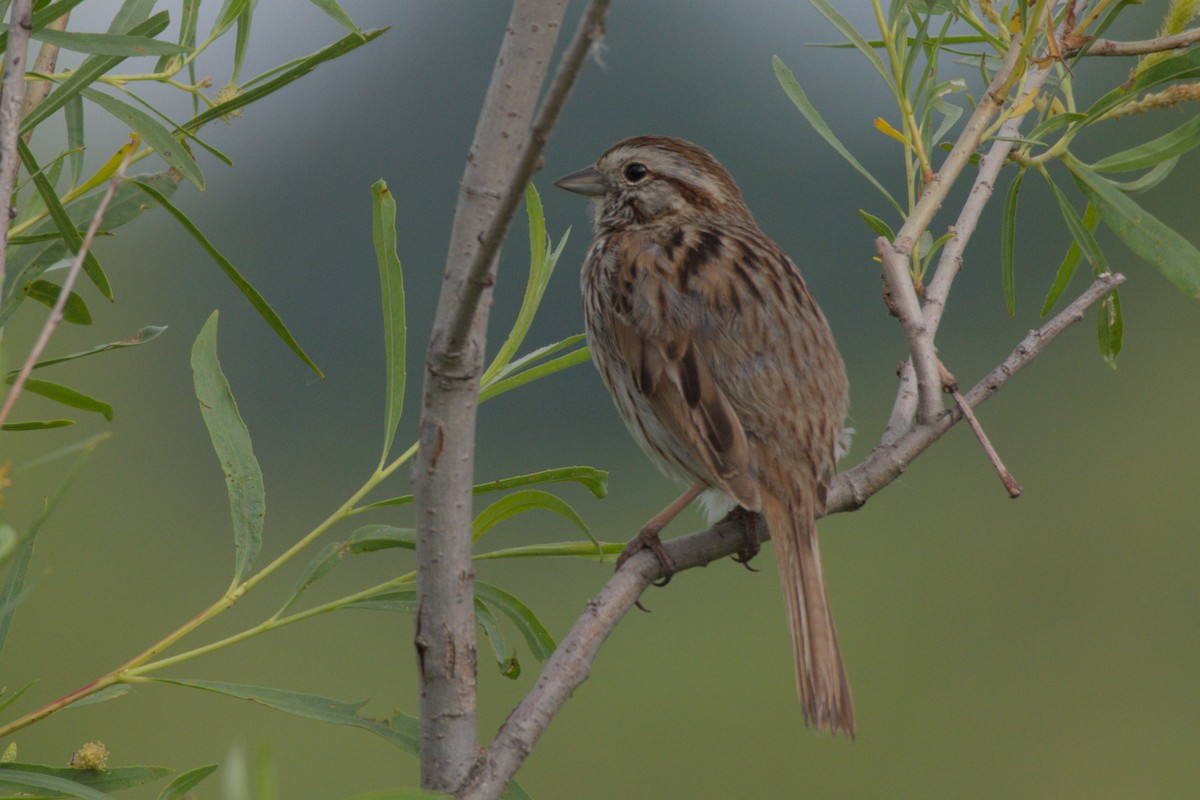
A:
636,172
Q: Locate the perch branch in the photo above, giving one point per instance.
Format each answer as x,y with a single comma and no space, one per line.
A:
951,387
570,664
506,148
12,94
56,312
1107,47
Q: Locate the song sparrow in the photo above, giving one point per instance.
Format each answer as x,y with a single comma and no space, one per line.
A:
723,368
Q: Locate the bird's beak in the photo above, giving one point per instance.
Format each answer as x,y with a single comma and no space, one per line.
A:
587,181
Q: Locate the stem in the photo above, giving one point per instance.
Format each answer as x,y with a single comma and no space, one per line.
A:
12,95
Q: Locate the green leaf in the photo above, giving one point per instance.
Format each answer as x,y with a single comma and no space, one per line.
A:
92,68
1180,67
146,334
103,696
518,503
1172,255
876,224
73,112
75,310
1008,232
260,304
1110,327
400,731
298,69
1147,154
366,539
1148,180
131,13
509,666
185,782
231,440
534,356
244,21
153,133
391,280
228,15
539,640
1066,270
21,552
542,261
541,371
107,44
68,397
40,425
558,549
12,697
401,600
91,267
1079,232
594,480
855,38
796,94
27,262
76,781
335,11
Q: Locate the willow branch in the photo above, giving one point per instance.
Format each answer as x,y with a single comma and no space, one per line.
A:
571,663
1107,47
507,145
44,64
12,94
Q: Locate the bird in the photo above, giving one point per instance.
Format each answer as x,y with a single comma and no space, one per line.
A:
725,371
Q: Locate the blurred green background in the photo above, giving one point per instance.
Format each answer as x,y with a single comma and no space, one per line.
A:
1047,647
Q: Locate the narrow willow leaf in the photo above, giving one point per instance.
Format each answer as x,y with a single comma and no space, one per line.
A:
507,662
146,334
1079,232
13,779
876,224
75,310
335,11
12,696
541,371
242,39
155,135
1066,270
391,284
73,111
1110,327
91,267
28,262
1149,180
1172,255
185,782
594,480
69,397
534,356
103,696
92,68
260,304
1155,151
855,38
1051,124
542,261
1181,67
1008,233
227,16
38,425
176,129
298,69
518,503
400,730
792,88
540,642
403,601
14,583
94,781
558,549
366,539
231,440
131,13
107,44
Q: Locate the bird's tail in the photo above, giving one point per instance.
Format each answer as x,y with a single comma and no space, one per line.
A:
820,677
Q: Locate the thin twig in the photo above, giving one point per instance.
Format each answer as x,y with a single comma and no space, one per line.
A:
951,387
56,312
571,663
12,94
1107,47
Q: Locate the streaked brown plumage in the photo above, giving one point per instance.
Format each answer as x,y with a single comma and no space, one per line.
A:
722,366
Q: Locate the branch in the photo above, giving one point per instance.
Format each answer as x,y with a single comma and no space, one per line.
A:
571,663
12,94
56,313
1107,47
502,158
